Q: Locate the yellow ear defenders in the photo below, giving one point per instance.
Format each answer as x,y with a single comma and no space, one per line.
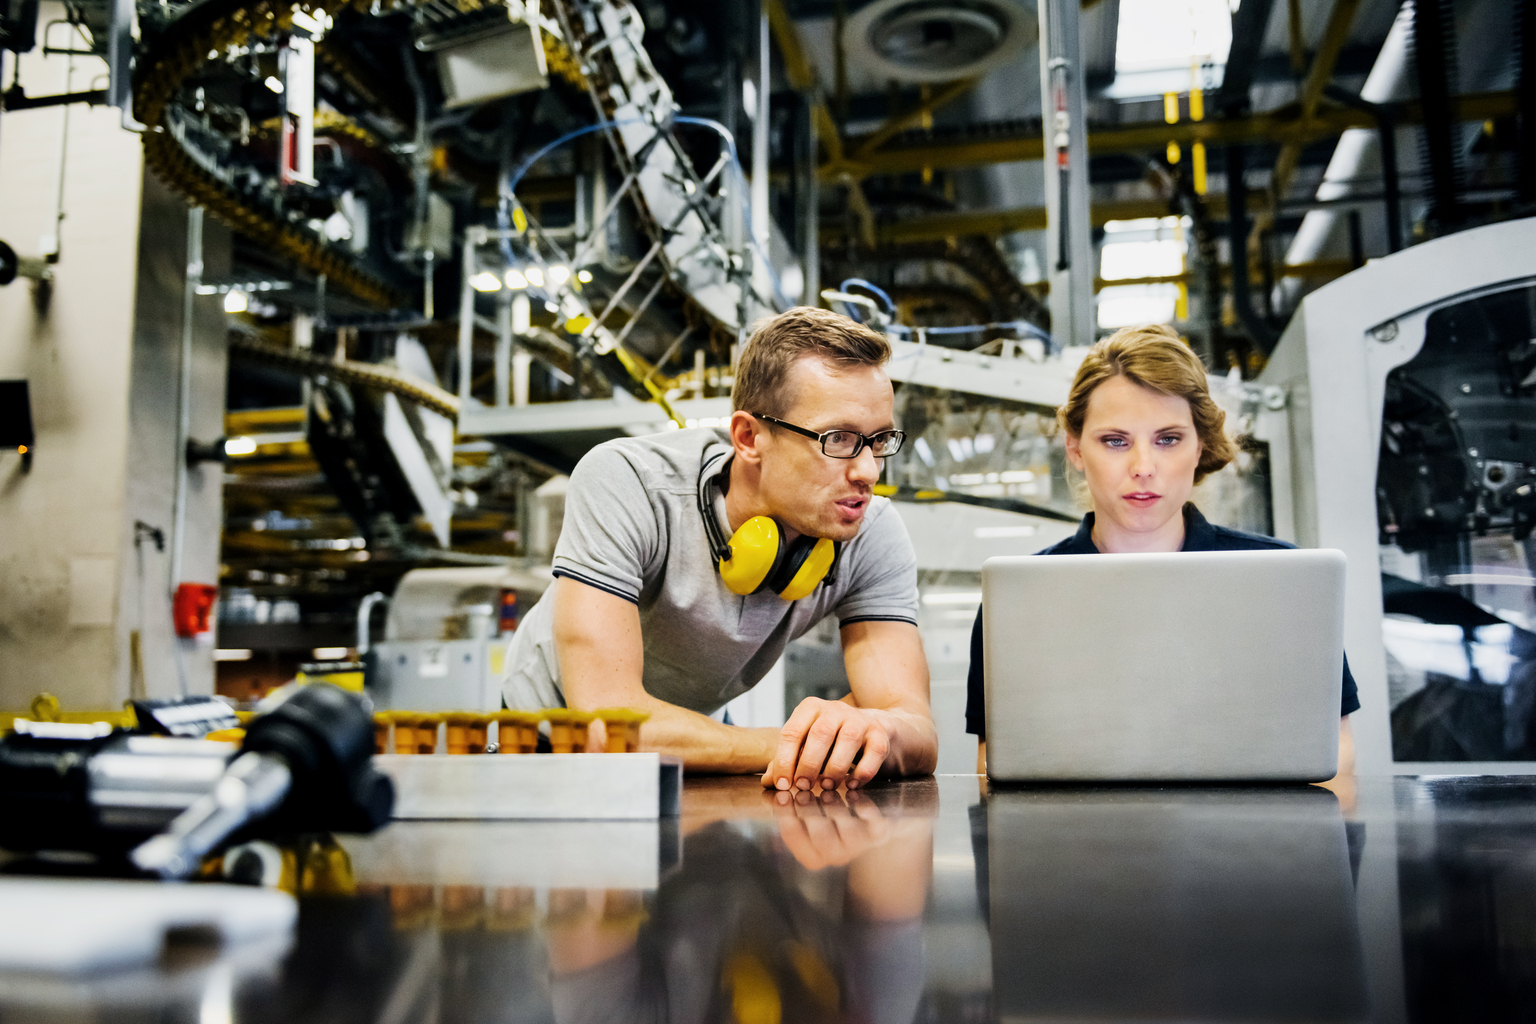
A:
756,558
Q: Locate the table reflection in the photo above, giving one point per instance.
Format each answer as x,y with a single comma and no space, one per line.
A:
1234,904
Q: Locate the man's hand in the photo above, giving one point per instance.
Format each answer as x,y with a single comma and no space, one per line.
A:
827,743
884,724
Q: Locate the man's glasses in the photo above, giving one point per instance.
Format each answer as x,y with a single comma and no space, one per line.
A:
846,444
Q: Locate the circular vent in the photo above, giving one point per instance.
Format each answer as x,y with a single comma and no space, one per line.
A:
937,40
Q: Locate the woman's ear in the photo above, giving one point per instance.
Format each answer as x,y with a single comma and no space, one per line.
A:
1075,452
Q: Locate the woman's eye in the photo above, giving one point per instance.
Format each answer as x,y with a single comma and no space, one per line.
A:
1169,441
1115,442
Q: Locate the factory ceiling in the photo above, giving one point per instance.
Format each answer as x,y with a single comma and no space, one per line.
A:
355,147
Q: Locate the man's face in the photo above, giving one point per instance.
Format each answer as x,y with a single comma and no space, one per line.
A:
811,493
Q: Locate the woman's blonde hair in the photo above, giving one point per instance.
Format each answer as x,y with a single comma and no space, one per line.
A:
1157,359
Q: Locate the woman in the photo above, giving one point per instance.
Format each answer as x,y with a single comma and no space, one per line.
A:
1141,427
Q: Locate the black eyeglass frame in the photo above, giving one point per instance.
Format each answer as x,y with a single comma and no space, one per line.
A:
865,441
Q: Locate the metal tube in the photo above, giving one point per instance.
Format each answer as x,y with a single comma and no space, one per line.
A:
184,391
1261,333
466,315
1069,247
503,350
762,230
252,785
1386,134
364,610
811,294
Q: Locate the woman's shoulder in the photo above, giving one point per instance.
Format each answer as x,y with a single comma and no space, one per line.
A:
1226,539
1200,534
1069,546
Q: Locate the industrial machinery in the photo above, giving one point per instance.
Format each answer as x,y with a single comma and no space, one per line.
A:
445,637
304,765
1404,434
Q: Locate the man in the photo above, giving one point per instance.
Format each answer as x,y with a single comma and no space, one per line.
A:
639,615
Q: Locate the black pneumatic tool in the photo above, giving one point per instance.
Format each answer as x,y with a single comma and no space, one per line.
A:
305,766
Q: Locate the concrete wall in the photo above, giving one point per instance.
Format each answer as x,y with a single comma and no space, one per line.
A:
60,553
69,571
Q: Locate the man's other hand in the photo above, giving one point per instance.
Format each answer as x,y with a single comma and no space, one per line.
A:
828,743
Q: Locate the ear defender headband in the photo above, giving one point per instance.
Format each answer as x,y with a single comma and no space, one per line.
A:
756,558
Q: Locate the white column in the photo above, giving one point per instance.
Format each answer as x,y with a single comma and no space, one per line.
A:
1069,249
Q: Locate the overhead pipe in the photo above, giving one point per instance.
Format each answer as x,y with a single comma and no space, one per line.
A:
1434,56
1385,85
1386,135
1525,89
1264,334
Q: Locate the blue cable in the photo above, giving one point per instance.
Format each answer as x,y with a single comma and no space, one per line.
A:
1023,326
504,207
890,307
504,219
746,207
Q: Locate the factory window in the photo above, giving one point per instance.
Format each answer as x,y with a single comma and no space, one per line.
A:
1139,252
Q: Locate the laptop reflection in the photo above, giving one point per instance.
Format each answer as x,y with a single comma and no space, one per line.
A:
1185,904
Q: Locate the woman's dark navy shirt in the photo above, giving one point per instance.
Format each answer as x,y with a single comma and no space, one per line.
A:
1199,535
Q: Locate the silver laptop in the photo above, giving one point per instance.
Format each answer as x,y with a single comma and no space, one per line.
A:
1202,665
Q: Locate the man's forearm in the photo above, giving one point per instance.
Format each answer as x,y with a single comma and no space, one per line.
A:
704,744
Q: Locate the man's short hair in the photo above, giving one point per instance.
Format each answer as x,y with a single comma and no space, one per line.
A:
777,343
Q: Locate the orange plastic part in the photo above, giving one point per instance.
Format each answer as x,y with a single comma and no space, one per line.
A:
466,732
517,732
568,729
426,733
381,724
405,732
623,729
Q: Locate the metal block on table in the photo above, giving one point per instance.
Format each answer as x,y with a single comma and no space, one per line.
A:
551,787
532,854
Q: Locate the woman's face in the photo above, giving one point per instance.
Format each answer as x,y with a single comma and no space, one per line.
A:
1139,451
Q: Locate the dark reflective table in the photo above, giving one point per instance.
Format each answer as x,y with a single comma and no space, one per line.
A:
930,900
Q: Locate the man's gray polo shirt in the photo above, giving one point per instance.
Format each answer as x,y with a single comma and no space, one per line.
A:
632,528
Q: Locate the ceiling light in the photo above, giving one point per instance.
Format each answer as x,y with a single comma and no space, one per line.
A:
485,281
1156,34
515,279
232,654
330,653
275,84
240,446
558,275
236,302
535,276
584,276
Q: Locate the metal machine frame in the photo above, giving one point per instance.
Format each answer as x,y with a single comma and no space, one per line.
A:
1331,365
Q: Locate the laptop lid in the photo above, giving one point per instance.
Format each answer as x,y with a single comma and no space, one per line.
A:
1201,665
